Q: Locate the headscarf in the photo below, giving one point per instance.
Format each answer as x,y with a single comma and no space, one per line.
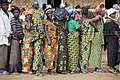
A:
27,12
86,5
84,11
72,13
48,8
15,8
102,3
35,2
98,10
109,12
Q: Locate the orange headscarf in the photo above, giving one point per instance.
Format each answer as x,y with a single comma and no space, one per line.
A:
27,12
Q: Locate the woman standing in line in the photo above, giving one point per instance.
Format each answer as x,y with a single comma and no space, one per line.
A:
38,39
112,36
62,46
27,46
51,43
98,41
15,52
73,44
86,37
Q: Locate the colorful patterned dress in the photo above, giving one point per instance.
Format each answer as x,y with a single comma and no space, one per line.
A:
97,45
62,49
73,46
38,39
27,50
86,36
50,52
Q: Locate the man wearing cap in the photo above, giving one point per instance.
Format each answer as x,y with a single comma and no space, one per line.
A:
5,30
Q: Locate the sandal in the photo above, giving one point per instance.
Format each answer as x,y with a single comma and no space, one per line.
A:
112,71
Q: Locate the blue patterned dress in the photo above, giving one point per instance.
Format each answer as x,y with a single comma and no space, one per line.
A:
86,36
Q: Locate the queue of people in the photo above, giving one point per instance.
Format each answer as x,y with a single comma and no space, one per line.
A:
72,45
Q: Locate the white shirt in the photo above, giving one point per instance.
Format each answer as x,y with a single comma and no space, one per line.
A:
5,27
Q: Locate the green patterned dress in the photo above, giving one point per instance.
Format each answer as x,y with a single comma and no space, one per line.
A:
73,46
38,39
86,36
97,45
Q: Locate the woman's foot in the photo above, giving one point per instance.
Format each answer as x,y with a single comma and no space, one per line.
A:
16,73
96,68
51,73
39,73
33,71
72,72
91,70
30,72
111,70
4,73
75,71
62,72
84,72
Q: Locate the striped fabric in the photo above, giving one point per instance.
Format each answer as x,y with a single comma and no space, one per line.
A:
18,24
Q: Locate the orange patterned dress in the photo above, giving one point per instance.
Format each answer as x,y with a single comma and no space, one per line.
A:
50,51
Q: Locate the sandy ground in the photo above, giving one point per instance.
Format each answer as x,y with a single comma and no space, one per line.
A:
89,76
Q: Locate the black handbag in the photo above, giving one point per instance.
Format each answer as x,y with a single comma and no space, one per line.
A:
60,13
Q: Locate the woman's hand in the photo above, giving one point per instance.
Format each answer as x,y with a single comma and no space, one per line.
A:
119,40
59,36
27,19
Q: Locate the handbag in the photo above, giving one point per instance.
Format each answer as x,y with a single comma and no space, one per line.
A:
60,13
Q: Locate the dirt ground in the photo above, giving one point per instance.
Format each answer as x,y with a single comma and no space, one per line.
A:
89,76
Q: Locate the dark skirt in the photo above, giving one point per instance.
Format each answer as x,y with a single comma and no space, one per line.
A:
112,52
62,54
15,62
118,51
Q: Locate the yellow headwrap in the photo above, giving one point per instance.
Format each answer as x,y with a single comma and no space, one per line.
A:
100,5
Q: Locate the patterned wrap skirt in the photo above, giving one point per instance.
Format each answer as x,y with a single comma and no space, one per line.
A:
73,52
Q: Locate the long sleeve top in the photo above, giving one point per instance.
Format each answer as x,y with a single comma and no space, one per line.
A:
5,27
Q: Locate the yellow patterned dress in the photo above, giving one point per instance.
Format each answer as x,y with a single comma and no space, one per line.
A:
27,50
97,45
50,52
